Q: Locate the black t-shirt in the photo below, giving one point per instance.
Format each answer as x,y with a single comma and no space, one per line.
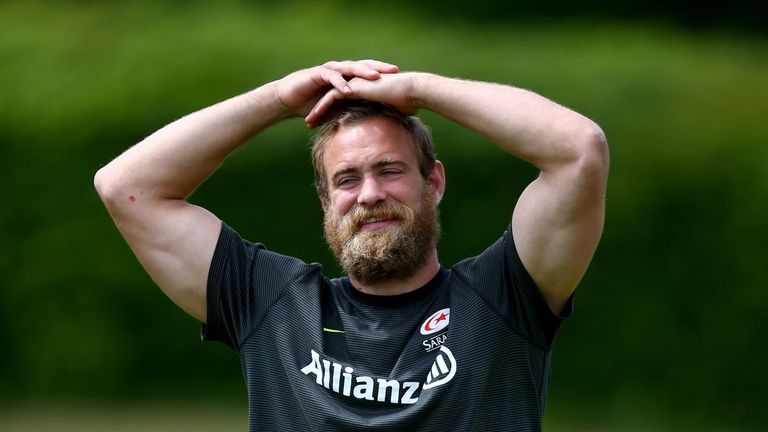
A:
468,351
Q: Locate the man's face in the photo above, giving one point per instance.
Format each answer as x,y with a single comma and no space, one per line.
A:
381,214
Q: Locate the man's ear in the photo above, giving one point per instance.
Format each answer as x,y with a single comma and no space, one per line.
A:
436,180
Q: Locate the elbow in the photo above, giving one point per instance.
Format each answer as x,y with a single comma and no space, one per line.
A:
100,182
592,152
107,185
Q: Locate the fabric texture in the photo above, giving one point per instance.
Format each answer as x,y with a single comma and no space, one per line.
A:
469,351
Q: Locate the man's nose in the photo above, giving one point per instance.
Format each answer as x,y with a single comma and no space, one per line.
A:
371,192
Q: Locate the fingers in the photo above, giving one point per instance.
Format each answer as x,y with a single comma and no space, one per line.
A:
361,68
381,66
336,79
322,106
338,74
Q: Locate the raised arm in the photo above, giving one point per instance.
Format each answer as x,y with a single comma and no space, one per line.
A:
146,187
558,219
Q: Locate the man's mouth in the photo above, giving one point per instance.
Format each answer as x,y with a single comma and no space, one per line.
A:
374,223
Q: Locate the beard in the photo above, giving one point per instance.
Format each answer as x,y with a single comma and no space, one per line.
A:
393,252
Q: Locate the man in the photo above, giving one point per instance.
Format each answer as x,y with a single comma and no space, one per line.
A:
402,343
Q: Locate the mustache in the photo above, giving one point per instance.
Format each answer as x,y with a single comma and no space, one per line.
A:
358,215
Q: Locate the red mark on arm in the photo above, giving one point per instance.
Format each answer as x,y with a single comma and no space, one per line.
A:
131,198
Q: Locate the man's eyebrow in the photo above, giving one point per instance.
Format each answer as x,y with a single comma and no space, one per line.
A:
389,162
343,171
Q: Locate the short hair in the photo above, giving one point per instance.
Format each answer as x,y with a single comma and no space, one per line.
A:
350,112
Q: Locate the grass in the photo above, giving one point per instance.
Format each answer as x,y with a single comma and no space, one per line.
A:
155,417
98,417
196,416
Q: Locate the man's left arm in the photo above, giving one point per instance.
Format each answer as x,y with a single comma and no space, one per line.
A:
558,220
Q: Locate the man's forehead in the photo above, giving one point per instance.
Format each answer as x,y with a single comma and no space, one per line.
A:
377,141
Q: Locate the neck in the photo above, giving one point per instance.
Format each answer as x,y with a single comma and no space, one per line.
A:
424,274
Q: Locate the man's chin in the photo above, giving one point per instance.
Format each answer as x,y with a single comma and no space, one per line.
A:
371,271
374,243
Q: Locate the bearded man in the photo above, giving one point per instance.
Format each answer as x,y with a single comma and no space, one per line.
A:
401,343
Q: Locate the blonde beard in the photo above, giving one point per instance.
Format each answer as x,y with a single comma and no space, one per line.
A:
390,253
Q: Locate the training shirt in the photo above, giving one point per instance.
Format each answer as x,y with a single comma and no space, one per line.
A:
468,351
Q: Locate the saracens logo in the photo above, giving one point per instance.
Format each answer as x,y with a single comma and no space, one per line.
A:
436,322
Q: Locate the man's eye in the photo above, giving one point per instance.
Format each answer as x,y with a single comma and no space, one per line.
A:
390,173
346,181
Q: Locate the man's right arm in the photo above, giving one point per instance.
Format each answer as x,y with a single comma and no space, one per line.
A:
146,187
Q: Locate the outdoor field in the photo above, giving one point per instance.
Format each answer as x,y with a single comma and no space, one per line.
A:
197,417
669,321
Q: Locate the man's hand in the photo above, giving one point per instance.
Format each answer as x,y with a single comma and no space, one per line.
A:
395,90
300,91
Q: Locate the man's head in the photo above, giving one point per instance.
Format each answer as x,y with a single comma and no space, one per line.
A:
351,112
379,183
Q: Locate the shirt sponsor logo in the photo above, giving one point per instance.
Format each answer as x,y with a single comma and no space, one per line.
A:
443,369
342,379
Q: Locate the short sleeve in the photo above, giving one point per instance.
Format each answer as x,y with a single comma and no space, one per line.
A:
500,277
526,300
244,280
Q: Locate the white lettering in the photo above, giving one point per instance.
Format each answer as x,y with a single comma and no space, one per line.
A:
314,367
384,385
364,390
326,373
410,388
336,376
347,381
434,342
340,379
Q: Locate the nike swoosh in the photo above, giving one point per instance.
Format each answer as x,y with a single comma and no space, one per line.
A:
330,330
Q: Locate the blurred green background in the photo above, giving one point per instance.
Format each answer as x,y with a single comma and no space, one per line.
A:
670,319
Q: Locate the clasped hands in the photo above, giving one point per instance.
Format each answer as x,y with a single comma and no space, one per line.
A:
311,92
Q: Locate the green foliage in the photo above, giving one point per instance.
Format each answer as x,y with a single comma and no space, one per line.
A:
669,318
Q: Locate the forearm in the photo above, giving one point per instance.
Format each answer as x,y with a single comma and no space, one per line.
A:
521,122
173,161
558,219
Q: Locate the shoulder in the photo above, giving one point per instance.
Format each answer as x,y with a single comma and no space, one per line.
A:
490,261
249,273
498,276
232,250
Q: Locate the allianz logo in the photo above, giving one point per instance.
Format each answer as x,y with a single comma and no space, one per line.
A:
342,379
